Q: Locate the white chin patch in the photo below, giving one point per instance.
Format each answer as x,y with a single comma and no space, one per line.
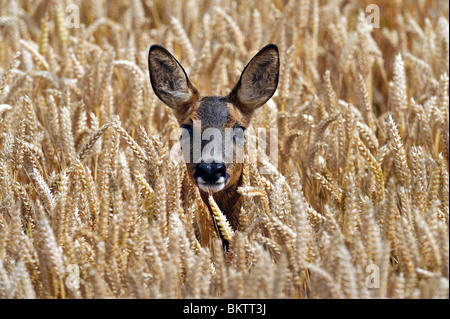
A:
207,187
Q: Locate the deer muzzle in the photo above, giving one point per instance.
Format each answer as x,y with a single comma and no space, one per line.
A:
211,177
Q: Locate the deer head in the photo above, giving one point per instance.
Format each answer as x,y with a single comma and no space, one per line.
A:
209,120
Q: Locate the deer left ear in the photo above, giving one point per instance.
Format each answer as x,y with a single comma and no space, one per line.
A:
169,80
258,81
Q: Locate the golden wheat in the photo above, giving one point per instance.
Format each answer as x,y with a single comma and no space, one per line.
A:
92,205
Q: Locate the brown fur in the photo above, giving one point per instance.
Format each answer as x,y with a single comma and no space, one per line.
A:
257,84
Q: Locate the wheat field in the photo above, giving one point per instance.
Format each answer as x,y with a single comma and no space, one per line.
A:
93,206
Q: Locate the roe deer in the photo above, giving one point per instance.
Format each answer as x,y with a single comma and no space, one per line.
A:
196,113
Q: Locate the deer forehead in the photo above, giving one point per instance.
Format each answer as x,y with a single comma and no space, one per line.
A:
217,112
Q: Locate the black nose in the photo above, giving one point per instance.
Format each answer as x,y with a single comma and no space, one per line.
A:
210,172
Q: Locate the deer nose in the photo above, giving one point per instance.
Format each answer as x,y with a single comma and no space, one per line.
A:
210,173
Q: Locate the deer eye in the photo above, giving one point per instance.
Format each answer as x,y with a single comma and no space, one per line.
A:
186,128
186,134
238,134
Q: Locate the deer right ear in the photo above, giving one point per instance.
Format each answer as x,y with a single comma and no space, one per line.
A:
169,80
258,81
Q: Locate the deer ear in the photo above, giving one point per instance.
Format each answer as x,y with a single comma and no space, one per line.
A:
258,81
169,80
